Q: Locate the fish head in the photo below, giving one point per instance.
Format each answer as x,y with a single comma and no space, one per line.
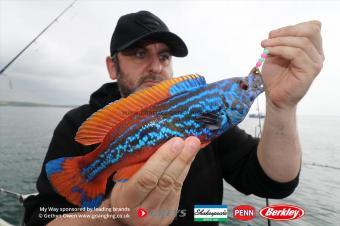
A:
254,85
239,93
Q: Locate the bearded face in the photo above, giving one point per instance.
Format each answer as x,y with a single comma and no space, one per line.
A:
142,66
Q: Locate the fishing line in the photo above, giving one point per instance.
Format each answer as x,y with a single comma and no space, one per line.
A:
10,83
321,165
257,66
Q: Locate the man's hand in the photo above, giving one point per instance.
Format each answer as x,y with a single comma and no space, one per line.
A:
295,59
157,185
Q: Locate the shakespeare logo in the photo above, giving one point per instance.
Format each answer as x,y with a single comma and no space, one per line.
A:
217,213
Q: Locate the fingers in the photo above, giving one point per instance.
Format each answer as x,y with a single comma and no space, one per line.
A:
182,174
146,179
183,161
175,191
299,42
310,30
173,177
302,29
298,58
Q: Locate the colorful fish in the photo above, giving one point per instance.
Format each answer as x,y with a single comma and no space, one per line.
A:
131,129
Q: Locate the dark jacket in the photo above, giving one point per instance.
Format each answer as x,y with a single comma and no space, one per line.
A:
231,157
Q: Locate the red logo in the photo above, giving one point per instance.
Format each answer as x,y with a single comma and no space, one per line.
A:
244,212
282,212
142,212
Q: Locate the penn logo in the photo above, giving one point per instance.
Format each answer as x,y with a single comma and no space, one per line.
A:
282,212
244,212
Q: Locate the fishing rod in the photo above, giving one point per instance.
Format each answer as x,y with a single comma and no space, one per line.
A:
43,31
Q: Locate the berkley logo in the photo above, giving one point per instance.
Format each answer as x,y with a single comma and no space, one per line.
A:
244,212
282,212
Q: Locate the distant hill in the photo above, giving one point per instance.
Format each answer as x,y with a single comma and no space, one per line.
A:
30,104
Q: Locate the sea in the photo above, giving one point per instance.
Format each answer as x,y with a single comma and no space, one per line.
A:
25,133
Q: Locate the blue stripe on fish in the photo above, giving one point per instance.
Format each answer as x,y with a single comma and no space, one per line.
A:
88,202
187,85
54,166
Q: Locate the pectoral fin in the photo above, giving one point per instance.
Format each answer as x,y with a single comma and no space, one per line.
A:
211,120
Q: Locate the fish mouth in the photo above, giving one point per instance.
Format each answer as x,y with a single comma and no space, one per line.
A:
254,81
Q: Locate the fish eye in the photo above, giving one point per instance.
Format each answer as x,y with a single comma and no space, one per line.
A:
243,85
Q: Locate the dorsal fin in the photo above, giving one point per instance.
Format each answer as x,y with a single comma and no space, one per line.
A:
96,127
188,85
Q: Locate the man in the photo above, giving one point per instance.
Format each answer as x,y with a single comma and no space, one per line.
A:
178,175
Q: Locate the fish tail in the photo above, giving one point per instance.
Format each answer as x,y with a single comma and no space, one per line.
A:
65,175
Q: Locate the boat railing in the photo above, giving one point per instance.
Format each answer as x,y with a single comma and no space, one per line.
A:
21,198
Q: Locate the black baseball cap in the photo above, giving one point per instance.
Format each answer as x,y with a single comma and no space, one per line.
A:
143,25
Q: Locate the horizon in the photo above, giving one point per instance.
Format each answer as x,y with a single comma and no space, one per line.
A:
78,105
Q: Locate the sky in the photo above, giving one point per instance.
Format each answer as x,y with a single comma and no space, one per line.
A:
67,63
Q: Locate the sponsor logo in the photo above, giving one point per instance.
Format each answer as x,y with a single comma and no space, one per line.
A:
142,212
244,212
217,213
161,213
282,212
168,213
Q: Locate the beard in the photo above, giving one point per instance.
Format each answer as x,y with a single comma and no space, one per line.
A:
127,87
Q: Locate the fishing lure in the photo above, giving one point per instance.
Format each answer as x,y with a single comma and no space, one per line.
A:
131,129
